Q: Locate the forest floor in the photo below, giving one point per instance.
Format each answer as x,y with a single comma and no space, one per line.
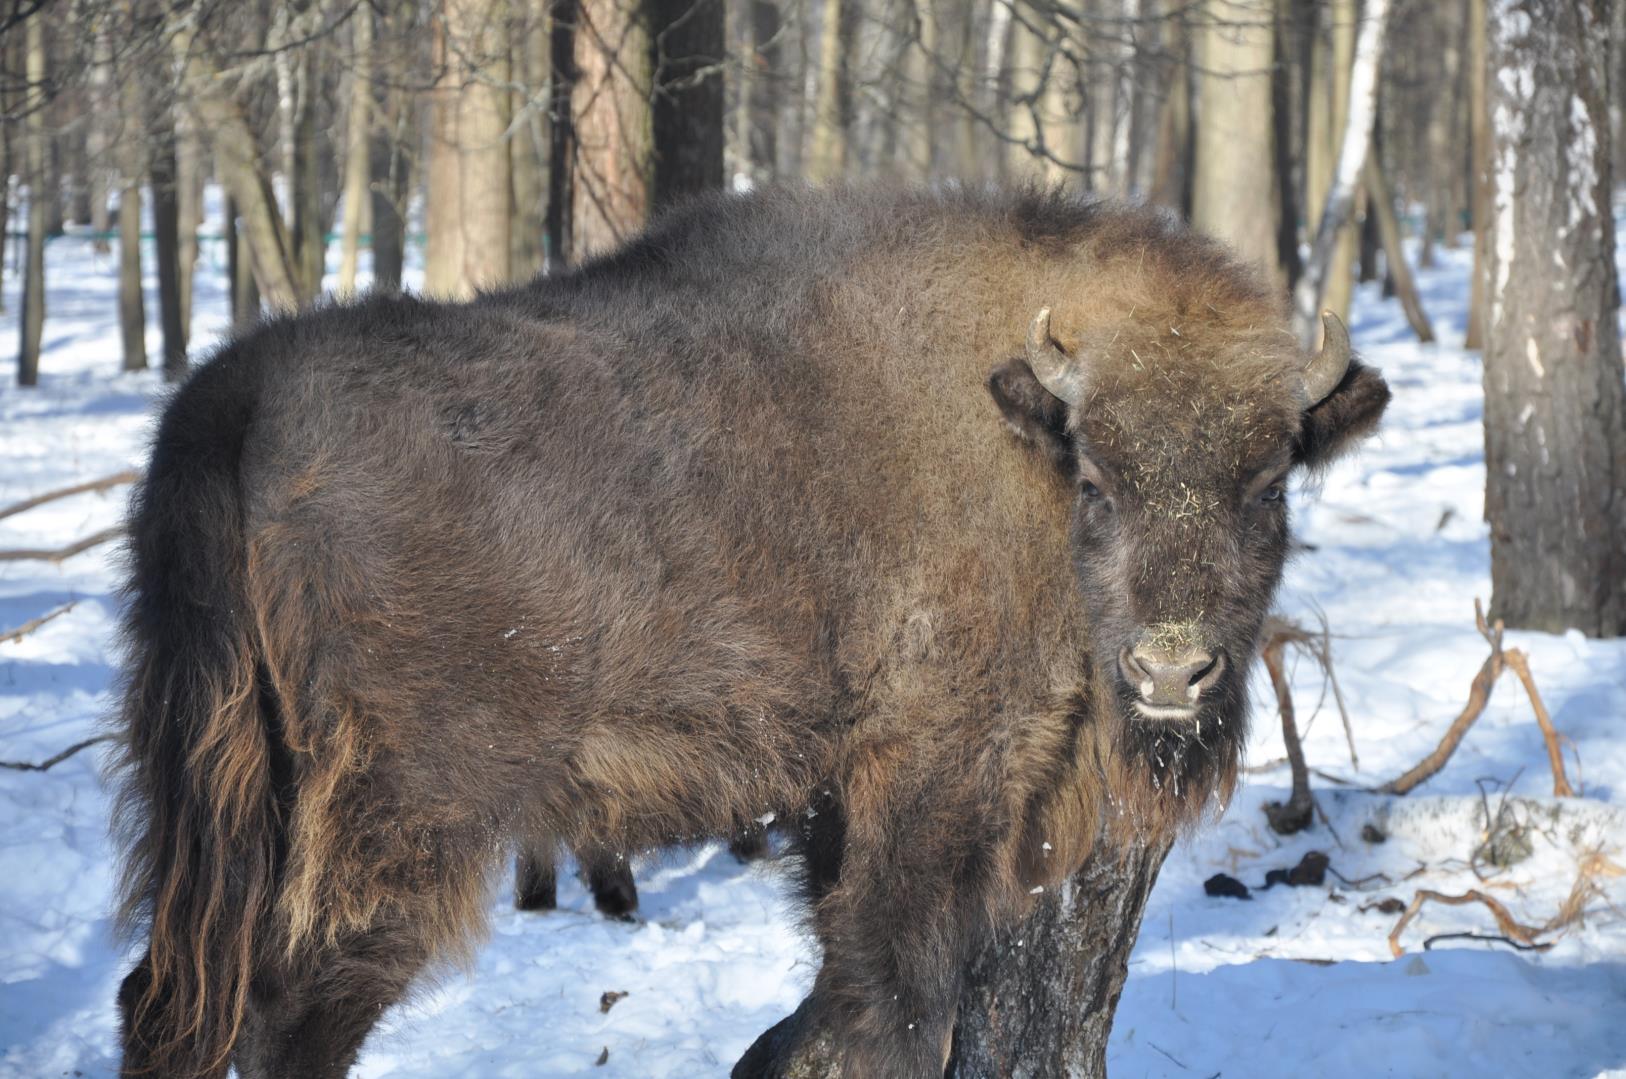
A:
1297,981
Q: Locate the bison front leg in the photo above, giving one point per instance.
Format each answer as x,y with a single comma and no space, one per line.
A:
917,878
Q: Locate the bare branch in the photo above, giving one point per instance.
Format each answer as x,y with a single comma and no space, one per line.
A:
129,475
31,625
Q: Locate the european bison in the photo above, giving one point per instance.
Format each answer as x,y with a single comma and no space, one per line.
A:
938,524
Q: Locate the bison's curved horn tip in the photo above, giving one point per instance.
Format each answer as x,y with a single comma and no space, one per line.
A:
1327,367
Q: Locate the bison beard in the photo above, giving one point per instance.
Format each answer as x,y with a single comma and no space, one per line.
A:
728,523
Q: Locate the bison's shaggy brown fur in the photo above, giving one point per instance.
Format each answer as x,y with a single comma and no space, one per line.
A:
729,523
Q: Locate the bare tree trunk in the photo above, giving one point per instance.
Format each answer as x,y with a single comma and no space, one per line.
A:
304,179
1308,297
1232,197
1040,997
1172,171
527,145
1380,206
1480,194
1443,163
1037,999
245,295
613,124
469,212
688,115
357,144
762,105
189,212
99,146
32,324
832,110
1281,111
238,159
166,223
132,167
1555,400
394,134
563,15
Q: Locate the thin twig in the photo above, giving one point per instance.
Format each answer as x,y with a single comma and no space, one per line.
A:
1524,934
129,475
46,765
1519,663
61,554
31,625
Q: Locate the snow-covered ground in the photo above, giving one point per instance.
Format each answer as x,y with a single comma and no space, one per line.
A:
1296,982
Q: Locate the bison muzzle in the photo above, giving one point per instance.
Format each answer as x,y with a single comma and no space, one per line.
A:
730,522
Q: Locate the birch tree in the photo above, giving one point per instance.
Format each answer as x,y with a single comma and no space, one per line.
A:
32,324
1555,400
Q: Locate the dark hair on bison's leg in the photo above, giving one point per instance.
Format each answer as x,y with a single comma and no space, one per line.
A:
608,876
899,912
536,880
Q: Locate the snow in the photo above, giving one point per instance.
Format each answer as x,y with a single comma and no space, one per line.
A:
1294,982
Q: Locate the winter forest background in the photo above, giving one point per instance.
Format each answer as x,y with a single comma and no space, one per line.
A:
1442,173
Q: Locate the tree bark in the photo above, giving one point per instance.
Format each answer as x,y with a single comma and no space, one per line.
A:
469,212
309,247
357,145
132,167
1232,196
832,109
99,144
166,225
237,157
1380,206
527,146
1555,400
1040,997
391,155
1171,169
612,125
189,213
562,16
762,105
688,115
1309,298
245,295
1479,141
32,324
1281,111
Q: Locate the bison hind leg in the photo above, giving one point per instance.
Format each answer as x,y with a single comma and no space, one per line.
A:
536,879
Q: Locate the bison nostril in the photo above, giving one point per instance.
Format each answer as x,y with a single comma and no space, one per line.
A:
1171,679
1207,669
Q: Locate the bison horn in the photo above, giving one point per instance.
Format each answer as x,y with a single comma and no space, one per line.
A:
1326,368
1054,369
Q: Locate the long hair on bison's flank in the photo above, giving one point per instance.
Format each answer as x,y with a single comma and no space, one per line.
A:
197,811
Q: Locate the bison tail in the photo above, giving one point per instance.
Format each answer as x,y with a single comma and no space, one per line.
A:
197,811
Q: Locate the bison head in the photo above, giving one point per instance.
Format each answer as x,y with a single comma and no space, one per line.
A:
1178,441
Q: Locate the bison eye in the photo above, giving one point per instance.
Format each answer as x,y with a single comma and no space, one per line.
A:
1090,491
1274,493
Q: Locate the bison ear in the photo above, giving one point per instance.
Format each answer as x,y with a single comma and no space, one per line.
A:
1344,417
1038,416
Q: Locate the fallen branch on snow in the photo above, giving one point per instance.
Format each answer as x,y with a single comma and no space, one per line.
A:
1523,936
